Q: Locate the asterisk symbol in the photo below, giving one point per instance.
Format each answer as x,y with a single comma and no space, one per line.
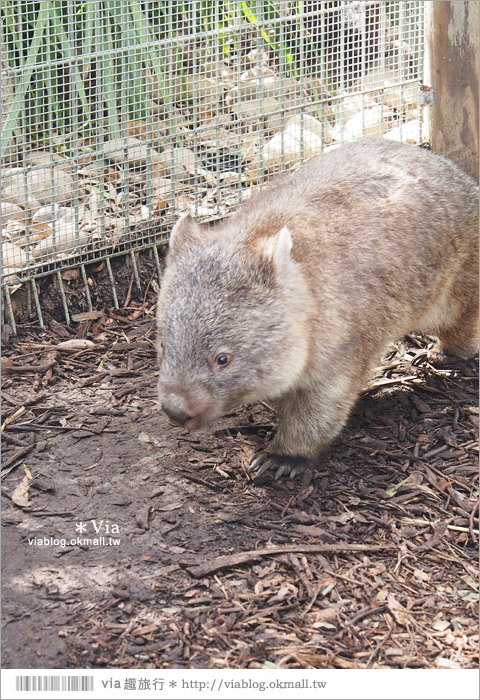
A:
80,527
173,684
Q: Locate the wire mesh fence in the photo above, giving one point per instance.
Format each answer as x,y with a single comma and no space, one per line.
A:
117,117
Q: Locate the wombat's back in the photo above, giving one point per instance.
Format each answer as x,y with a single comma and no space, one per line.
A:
384,231
346,187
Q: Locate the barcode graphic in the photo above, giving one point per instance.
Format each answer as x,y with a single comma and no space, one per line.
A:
52,683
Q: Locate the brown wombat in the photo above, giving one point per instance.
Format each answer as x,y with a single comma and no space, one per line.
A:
295,298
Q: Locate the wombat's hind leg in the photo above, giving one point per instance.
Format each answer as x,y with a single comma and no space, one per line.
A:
460,341
284,464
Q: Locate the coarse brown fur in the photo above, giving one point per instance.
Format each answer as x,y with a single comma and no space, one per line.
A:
303,288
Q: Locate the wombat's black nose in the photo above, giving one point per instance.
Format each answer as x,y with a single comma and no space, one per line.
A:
174,408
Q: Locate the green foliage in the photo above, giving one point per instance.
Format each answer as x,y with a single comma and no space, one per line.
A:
81,67
75,62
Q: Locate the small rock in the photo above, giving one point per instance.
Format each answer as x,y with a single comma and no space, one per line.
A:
276,121
409,132
141,517
310,142
161,186
8,173
294,143
270,85
75,344
7,331
368,122
13,257
285,144
64,239
251,89
401,98
14,196
387,88
133,150
394,651
50,185
51,212
254,108
47,185
10,212
179,163
205,89
305,121
350,105
43,158
228,177
186,88
218,70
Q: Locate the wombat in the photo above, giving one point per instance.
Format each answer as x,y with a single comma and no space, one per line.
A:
295,297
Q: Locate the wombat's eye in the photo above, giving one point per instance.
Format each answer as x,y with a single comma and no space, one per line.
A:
222,360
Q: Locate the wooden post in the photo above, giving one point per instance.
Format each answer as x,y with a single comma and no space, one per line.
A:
452,70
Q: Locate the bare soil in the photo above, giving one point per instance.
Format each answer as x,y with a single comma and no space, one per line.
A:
373,564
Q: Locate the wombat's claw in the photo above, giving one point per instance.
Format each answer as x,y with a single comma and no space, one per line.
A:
284,464
419,358
283,469
263,462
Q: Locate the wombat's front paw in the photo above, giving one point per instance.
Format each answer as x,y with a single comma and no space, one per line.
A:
284,464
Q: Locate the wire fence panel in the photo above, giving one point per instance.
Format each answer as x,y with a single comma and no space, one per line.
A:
118,116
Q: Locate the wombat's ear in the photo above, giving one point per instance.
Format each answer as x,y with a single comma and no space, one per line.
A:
185,232
283,247
277,249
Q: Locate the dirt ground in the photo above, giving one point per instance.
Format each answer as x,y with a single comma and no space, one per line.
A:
128,542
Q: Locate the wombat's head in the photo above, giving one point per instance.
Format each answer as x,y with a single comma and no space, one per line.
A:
227,332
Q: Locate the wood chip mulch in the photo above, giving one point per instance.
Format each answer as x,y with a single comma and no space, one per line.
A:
373,565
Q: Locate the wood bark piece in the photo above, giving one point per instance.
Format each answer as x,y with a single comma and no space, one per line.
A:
198,571
42,368
92,380
197,480
21,452
87,316
131,388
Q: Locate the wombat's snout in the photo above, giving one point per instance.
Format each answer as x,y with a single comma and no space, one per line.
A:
175,407
174,410
188,414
